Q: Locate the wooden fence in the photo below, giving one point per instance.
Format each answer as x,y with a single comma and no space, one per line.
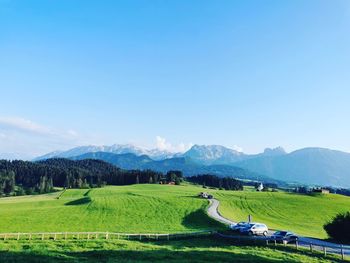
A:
340,250
343,251
99,235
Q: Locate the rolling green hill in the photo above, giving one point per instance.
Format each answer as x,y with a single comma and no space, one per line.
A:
157,209
133,209
302,214
163,209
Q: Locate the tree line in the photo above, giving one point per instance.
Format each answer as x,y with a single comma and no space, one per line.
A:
226,183
24,177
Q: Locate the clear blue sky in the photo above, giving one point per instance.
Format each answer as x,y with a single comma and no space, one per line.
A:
251,74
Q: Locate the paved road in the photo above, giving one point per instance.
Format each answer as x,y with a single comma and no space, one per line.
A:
214,213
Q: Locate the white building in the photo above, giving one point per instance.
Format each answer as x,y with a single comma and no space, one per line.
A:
260,187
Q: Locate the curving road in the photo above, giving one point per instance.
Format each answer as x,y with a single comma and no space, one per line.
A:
214,213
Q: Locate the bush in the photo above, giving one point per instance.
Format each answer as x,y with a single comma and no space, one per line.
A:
339,227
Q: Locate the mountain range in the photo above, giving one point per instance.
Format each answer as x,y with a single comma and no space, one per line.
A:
189,167
155,154
316,166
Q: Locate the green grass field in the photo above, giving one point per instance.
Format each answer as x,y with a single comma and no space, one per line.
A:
157,209
194,250
132,209
302,214
164,209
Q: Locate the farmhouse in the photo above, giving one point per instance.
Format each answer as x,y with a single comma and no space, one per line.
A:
320,190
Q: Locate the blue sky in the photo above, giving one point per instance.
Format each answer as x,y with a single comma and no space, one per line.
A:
245,74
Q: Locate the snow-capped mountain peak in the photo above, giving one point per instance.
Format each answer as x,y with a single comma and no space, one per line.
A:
115,148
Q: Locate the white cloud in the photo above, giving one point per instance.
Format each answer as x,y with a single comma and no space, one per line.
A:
23,125
163,145
27,138
72,133
27,126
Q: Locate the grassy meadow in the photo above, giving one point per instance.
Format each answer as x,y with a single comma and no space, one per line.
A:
157,209
164,209
303,214
194,250
131,209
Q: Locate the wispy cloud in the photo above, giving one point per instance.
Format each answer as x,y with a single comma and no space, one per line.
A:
164,145
28,138
27,126
23,125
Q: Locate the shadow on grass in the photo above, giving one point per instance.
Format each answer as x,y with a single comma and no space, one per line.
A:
200,220
87,192
81,201
160,255
193,250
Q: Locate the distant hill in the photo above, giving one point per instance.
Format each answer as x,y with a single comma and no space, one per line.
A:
184,164
310,166
127,161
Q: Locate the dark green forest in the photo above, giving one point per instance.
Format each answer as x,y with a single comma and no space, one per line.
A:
24,177
226,183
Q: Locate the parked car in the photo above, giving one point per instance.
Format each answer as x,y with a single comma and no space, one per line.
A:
255,229
238,226
284,236
210,197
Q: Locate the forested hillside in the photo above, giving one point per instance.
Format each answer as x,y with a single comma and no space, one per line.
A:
23,177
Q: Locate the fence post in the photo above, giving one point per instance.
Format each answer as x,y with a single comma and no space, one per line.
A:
17,236
106,235
296,244
5,237
342,252
30,236
267,241
168,237
88,237
325,251
311,247
65,236
42,236
55,236
140,237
